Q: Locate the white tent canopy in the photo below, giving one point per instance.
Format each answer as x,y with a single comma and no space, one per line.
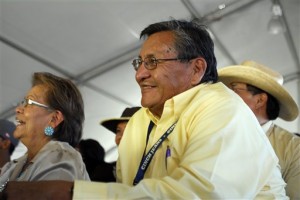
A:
94,41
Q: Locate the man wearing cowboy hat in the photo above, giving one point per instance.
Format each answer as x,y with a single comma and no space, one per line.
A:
261,89
118,125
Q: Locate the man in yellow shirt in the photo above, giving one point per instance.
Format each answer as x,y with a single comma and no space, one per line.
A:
193,138
261,89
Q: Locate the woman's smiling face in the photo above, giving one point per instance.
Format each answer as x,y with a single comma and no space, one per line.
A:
32,119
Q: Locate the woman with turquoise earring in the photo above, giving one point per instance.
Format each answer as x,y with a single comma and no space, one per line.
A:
49,123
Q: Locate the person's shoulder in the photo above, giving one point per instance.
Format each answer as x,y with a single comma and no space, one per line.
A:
58,145
63,149
285,136
219,96
216,91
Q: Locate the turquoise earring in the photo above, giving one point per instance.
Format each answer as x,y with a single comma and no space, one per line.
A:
49,131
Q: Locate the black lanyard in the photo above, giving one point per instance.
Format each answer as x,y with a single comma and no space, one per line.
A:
148,157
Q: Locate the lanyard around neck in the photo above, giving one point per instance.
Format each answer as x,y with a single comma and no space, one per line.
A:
148,157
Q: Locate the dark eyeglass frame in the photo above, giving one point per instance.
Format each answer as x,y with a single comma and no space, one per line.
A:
28,101
150,63
249,88
237,90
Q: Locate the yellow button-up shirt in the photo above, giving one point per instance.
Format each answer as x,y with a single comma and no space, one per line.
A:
217,151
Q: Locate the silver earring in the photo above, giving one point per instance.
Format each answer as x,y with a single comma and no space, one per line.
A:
49,131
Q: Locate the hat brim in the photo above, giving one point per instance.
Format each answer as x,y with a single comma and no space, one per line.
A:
240,73
111,124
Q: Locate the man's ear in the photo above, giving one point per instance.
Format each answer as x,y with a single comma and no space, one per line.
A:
261,101
199,67
57,118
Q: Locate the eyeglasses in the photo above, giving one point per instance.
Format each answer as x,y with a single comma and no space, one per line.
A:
151,62
237,90
26,102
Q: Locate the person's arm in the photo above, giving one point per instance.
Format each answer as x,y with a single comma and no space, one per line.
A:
38,190
293,174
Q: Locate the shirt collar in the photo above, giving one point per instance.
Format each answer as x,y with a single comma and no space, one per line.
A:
267,126
177,103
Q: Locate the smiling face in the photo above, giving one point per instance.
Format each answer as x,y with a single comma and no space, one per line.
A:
168,78
33,119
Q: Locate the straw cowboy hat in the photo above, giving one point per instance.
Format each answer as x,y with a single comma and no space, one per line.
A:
264,78
111,124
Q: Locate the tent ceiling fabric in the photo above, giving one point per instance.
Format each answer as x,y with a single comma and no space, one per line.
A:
93,43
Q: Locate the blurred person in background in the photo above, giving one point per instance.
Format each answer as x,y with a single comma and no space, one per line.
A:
118,125
93,155
261,89
8,142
